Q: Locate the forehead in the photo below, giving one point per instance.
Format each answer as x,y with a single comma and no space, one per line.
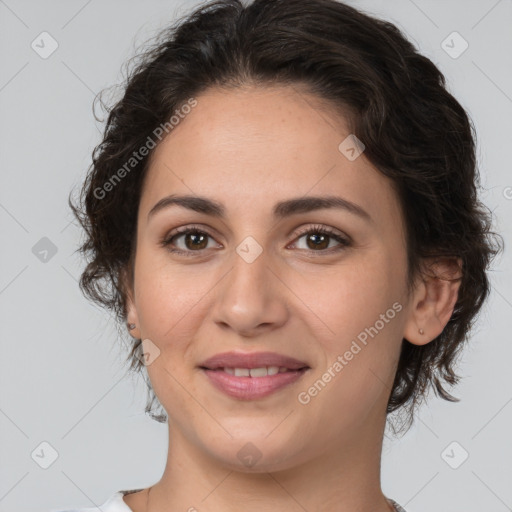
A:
255,146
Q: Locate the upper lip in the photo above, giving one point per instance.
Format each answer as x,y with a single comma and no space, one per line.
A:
252,360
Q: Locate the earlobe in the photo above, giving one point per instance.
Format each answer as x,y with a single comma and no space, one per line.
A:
433,301
132,320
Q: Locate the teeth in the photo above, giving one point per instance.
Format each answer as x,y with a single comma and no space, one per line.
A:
272,370
255,372
258,372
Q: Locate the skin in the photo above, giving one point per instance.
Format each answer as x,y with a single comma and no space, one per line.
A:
248,149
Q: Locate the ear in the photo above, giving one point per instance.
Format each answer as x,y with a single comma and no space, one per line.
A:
433,300
131,311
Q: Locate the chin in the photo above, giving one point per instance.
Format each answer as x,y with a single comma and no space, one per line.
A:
250,459
261,453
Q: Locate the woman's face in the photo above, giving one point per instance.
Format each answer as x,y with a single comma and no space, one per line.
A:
252,281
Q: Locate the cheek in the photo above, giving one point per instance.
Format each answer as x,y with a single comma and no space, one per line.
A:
168,299
341,301
358,325
357,371
169,321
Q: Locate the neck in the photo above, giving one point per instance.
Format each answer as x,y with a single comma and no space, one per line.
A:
342,478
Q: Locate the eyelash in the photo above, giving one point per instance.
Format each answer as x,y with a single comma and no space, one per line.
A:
316,229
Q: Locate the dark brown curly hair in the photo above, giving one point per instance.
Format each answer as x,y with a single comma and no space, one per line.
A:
415,132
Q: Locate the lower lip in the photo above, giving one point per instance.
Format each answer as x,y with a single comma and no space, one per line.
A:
251,388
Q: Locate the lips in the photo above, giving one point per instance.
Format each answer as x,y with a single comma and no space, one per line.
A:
252,376
252,360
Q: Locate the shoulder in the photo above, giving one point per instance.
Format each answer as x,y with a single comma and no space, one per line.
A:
397,507
114,503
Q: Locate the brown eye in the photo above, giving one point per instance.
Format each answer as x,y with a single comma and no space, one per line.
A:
195,240
191,241
187,241
319,239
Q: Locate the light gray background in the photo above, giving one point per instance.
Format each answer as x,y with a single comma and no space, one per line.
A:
61,377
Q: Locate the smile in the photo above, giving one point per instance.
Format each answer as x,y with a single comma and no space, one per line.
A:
253,383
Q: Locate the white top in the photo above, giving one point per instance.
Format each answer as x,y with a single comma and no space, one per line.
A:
116,504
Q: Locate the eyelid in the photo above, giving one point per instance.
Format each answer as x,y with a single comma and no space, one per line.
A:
343,240
323,228
212,233
165,242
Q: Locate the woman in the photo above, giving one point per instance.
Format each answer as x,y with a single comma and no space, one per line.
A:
283,211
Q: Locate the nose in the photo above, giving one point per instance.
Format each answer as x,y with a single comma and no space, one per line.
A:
251,299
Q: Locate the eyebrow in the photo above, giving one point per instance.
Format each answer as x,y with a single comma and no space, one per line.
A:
281,210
